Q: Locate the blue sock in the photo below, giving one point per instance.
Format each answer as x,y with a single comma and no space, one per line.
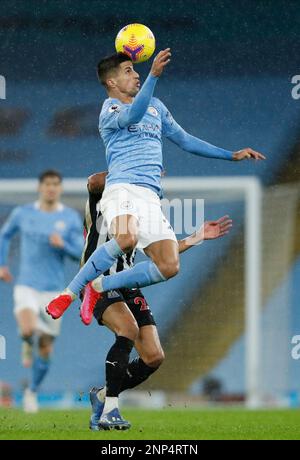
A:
100,261
141,275
40,369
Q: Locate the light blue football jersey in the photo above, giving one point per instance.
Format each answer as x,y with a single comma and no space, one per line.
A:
134,153
42,265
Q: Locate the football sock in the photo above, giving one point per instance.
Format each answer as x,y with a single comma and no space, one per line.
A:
116,364
101,394
100,261
141,275
110,404
136,373
40,369
29,339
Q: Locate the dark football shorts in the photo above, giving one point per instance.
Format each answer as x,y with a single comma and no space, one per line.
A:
135,301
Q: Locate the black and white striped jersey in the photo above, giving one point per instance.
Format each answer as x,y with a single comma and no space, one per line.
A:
96,234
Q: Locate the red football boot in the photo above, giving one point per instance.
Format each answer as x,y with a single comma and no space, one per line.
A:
59,305
89,301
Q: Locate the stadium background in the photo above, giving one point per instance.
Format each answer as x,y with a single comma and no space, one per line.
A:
230,83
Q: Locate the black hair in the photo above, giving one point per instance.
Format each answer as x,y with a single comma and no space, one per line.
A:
49,173
109,64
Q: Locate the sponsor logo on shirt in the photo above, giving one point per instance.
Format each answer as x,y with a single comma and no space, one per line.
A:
146,130
114,108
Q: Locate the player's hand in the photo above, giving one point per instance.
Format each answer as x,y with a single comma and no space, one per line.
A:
56,241
216,228
160,61
210,230
5,275
247,153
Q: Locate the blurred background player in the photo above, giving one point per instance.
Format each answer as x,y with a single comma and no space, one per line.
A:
132,124
49,231
126,313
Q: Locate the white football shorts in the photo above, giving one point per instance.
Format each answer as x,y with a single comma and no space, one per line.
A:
25,297
144,204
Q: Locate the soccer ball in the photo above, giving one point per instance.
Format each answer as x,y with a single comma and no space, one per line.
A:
137,41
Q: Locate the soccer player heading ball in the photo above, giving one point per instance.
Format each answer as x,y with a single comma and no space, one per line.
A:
132,123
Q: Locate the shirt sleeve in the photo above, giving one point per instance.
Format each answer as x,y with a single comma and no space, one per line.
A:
116,115
73,244
173,131
9,229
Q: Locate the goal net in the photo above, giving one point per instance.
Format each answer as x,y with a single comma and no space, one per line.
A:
226,321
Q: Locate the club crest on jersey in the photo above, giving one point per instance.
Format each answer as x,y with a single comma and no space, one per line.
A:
127,205
60,225
152,111
114,108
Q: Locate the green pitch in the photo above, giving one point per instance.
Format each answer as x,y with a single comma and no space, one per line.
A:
155,424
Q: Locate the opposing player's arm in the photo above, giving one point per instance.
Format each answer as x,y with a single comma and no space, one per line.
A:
8,230
210,230
120,117
173,131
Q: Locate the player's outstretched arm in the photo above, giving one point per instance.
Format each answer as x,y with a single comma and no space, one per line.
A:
210,230
137,110
199,147
173,131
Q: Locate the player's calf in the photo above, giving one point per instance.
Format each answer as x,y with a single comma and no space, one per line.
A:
168,269
45,344
155,359
27,350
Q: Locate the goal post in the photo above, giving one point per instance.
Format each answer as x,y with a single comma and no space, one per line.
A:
246,188
251,189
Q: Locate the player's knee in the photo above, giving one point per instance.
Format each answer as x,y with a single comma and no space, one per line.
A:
169,269
27,332
127,242
45,346
154,359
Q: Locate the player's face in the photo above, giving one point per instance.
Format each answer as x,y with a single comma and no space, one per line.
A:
50,190
127,80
